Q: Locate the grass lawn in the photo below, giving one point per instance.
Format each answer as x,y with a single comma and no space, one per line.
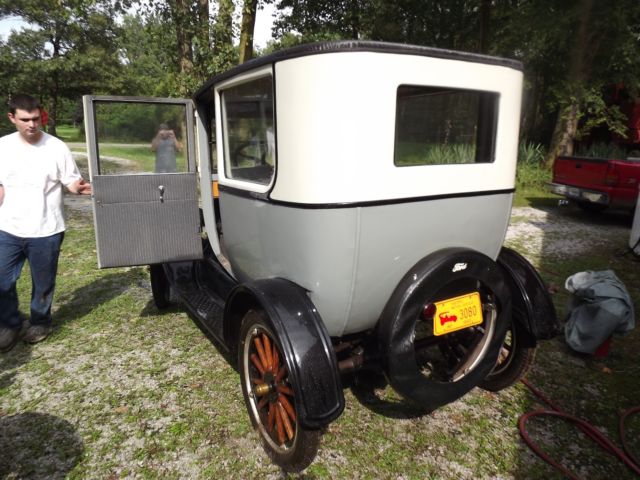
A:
122,390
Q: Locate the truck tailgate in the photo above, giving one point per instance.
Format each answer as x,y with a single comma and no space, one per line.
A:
580,171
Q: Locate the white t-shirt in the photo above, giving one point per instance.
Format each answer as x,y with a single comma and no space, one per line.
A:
33,176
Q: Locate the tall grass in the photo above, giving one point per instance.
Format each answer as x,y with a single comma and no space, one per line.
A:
530,173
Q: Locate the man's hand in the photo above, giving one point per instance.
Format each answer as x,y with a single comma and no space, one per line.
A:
81,187
1,194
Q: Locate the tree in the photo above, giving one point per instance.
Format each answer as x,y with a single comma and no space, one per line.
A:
572,51
247,27
71,51
201,50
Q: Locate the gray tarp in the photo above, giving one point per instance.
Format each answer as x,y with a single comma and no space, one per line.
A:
600,307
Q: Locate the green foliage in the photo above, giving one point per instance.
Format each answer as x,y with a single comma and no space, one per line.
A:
418,153
598,113
134,122
601,150
69,51
531,175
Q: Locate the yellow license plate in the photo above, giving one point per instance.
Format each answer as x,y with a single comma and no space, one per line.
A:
457,313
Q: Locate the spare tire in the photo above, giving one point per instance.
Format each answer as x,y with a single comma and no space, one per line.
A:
432,370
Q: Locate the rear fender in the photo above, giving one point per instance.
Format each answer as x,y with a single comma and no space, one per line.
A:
305,343
531,303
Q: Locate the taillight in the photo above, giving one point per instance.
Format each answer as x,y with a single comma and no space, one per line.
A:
429,311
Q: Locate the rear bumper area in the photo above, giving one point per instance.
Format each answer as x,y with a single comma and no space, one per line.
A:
579,194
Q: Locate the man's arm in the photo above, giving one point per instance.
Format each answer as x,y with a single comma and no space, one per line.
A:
1,193
81,187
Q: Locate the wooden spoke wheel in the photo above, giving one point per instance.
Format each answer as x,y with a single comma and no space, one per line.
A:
270,398
514,360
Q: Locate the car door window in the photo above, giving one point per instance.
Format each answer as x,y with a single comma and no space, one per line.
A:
249,138
141,138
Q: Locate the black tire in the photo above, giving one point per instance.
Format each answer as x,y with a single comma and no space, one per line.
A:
269,396
514,361
428,370
160,287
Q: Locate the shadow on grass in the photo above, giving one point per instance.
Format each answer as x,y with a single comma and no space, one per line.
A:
85,299
10,361
374,393
38,446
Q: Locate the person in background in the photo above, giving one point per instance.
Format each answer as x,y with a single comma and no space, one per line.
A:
166,145
34,167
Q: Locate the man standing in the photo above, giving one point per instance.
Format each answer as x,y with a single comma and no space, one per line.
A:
34,166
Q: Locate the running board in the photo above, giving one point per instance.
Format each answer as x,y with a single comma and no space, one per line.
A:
206,307
202,287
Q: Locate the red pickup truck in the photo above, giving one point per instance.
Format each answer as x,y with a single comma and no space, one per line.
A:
597,183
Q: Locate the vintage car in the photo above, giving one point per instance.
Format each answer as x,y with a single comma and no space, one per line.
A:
334,209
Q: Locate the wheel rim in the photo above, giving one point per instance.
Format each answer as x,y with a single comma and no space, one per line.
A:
451,358
270,395
506,352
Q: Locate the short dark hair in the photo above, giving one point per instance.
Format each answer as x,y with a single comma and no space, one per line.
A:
23,102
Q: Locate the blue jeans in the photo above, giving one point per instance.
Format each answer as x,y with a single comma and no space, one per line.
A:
42,254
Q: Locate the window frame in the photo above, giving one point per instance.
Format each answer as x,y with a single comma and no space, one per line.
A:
486,136
223,131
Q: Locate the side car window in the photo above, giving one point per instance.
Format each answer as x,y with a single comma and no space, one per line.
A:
141,138
440,125
249,140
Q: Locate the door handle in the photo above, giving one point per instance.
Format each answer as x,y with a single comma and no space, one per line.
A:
161,188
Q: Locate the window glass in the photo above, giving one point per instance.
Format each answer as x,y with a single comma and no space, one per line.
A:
249,141
438,125
141,138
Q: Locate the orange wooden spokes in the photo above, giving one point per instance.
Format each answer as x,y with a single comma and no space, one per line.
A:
280,413
285,390
267,351
276,360
287,406
256,363
285,421
261,353
279,426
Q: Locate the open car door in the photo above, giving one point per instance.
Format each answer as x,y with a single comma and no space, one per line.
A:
145,187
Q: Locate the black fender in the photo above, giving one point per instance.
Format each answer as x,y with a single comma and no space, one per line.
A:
532,306
423,283
305,342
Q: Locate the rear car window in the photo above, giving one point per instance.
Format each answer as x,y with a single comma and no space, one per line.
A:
440,125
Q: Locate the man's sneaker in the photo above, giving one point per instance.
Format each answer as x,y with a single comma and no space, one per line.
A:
36,333
8,338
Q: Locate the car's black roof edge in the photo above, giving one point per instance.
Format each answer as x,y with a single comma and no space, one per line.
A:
359,46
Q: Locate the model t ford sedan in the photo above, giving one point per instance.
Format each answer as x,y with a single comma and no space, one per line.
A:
332,209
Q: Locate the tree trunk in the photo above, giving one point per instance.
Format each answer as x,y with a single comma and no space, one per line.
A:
246,31
485,16
566,127
203,30
223,29
185,52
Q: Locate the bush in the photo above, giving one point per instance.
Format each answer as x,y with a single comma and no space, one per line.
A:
530,172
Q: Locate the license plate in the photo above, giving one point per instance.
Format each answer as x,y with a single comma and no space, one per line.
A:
457,313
